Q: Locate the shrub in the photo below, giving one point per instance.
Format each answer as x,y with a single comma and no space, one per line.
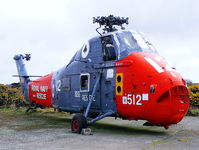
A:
11,95
194,95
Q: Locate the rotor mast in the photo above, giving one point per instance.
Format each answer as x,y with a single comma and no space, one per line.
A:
109,23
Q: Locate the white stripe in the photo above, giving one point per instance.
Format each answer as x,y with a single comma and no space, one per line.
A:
154,64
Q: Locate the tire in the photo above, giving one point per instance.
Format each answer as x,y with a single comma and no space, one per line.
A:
78,122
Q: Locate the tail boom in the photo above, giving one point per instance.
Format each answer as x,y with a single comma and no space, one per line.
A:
22,73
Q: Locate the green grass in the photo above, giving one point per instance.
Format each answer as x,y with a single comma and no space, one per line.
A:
10,111
193,112
107,127
151,146
184,140
43,123
40,119
47,118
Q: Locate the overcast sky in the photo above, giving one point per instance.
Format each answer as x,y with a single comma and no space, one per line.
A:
53,30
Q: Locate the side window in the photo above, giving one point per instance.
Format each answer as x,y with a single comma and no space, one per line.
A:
66,83
108,48
84,82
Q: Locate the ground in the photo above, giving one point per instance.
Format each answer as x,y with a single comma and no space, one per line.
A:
50,131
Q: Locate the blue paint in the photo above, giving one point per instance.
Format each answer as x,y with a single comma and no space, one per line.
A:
23,76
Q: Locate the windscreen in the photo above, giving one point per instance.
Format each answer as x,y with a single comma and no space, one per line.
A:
134,42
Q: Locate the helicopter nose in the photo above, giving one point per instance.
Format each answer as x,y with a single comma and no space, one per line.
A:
172,106
149,89
177,94
180,97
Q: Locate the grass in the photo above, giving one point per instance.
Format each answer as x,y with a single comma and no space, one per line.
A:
40,119
38,111
10,111
151,146
20,120
107,127
184,140
43,123
193,112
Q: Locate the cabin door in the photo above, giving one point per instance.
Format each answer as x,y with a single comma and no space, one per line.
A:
87,83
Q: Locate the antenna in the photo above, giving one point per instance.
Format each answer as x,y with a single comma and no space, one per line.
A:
109,23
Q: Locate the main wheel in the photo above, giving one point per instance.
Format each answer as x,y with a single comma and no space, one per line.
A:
78,122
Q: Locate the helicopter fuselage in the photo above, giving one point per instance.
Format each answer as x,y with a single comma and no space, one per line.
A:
118,74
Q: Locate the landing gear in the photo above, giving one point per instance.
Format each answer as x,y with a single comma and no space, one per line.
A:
167,127
34,106
78,123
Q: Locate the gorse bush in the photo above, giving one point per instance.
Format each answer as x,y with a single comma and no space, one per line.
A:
194,95
11,95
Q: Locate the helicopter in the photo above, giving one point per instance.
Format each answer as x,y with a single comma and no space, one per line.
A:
115,74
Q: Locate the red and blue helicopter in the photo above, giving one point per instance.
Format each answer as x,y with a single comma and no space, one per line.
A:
118,73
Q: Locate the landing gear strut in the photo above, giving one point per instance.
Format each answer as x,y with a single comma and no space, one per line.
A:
80,121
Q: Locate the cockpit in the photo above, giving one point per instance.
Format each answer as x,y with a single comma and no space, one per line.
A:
113,46
124,43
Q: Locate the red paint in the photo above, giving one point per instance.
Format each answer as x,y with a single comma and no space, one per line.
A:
75,125
170,101
40,90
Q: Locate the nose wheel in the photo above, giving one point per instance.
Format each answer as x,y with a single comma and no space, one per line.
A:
167,127
78,122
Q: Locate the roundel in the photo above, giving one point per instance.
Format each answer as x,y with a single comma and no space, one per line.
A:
85,50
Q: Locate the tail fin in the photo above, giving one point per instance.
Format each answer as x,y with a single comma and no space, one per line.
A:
22,73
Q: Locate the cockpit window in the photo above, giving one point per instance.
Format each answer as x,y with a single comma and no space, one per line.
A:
134,42
143,43
127,43
109,52
140,41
